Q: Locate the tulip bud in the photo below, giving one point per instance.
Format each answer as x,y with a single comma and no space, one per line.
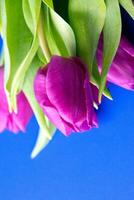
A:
12,121
121,71
63,91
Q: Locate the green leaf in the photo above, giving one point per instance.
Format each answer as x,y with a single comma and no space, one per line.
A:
59,35
0,23
91,15
87,20
31,10
49,3
46,128
33,17
41,143
128,6
19,47
21,72
95,80
62,34
41,56
43,39
111,38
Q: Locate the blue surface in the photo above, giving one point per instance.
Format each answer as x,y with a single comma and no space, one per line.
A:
97,165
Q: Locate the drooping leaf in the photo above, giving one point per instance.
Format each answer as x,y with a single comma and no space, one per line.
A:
31,11
41,143
19,47
43,38
128,5
87,20
111,38
33,16
46,128
95,80
60,37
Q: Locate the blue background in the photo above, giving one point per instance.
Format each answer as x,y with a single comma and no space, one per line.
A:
97,165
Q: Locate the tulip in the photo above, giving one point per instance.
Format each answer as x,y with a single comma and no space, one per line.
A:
121,71
12,121
63,91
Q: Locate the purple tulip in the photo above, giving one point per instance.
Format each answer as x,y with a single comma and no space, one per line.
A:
63,91
121,71
11,121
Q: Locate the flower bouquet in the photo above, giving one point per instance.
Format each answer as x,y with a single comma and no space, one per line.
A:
58,69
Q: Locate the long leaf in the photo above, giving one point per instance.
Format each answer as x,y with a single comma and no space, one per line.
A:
87,20
41,143
128,6
111,38
32,7
60,37
46,128
31,11
96,80
19,47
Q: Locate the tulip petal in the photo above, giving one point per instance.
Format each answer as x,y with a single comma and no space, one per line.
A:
42,98
68,81
92,121
12,121
24,112
11,124
95,93
65,84
3,99
121,71
62,89
3,121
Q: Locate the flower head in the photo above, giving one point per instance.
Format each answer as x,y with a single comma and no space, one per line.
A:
121,71
63,91
12,121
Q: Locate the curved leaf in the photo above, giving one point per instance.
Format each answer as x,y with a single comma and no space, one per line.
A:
111,38
13,29
33,8
60,37
43,39
19,47
41,143
46,128
128,6
87,20
95,80
28,15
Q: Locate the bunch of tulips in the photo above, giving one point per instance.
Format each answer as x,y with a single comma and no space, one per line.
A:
58,69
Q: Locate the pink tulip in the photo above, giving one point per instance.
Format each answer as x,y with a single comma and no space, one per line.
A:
121,71
63,91
11,121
